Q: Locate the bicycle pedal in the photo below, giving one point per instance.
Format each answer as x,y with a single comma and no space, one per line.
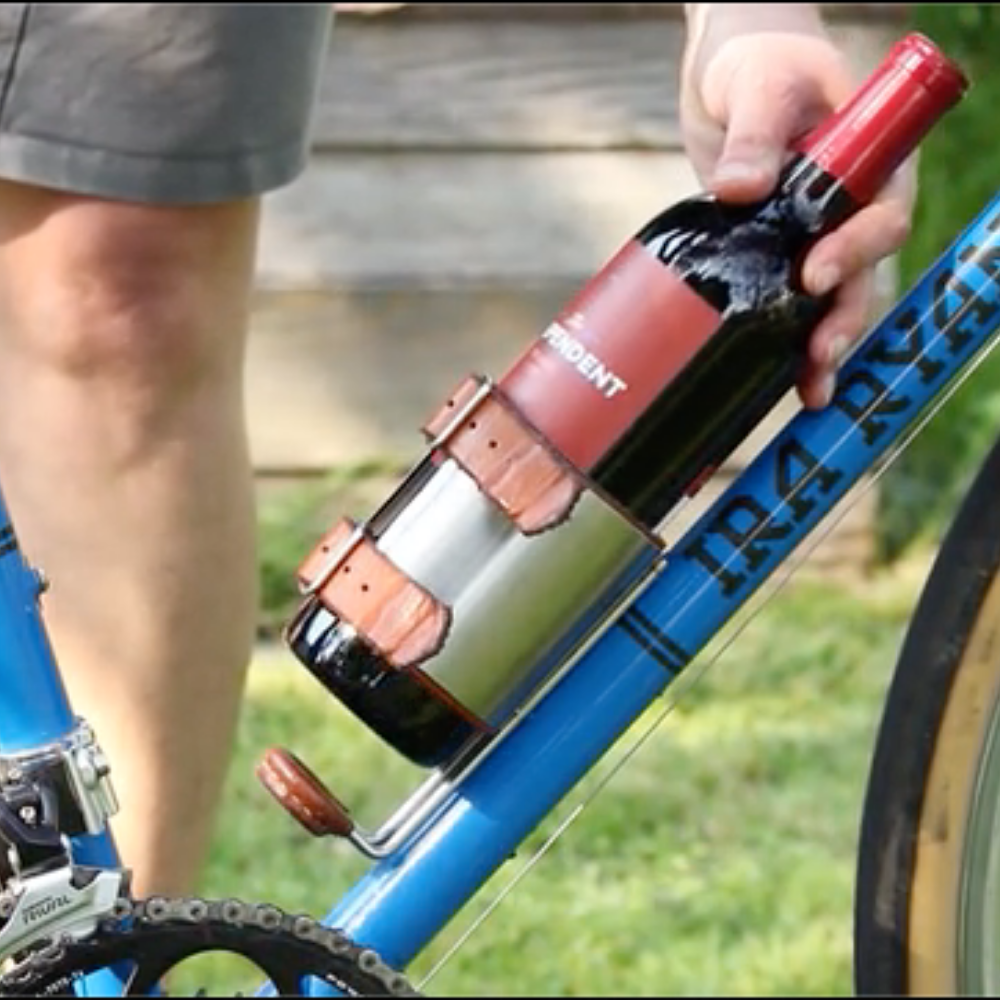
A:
303,795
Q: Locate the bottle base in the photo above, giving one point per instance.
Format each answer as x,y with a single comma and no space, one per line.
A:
392,703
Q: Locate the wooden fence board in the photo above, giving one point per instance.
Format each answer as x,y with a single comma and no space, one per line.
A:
420,219
393,84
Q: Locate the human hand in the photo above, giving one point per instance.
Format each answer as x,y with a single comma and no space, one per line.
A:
754,78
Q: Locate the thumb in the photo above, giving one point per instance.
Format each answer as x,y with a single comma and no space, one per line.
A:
762,117
765,97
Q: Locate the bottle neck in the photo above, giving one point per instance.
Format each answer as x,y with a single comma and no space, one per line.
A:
815,200
864,141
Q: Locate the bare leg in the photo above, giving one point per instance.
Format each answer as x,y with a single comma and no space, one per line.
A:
124,461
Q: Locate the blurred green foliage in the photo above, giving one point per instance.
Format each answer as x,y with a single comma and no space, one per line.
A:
959,171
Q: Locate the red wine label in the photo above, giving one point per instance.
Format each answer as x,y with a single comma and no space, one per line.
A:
609,354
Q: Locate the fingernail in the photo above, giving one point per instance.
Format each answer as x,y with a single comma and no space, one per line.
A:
837,349
825,278
826,389
739,171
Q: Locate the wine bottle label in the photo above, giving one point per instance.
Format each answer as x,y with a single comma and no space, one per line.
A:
608,355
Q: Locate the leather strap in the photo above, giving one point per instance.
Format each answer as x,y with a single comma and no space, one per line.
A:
510,462
402,621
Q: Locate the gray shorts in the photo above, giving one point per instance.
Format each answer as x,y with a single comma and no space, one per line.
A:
166,103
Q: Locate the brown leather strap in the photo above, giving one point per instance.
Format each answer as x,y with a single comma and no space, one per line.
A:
453,405
510,462
303,794
403,622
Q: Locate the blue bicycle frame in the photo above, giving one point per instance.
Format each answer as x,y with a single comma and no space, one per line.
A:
941,326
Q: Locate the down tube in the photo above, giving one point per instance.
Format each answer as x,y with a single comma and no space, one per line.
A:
948,317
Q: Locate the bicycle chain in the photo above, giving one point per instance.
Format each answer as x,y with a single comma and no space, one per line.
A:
185,926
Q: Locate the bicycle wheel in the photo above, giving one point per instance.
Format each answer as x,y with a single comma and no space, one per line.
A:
927,899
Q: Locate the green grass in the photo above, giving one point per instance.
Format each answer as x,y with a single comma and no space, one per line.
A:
719,860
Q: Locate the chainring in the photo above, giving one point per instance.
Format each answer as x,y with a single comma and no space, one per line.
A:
155,935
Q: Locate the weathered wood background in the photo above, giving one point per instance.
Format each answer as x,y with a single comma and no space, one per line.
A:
473,165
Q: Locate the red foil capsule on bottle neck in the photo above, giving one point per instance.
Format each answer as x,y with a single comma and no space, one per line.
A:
866,139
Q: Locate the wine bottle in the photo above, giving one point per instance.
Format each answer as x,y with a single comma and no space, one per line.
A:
687,338
663,363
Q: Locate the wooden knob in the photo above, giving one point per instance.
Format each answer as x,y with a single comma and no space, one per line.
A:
303,794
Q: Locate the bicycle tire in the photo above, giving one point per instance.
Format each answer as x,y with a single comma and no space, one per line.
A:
921,894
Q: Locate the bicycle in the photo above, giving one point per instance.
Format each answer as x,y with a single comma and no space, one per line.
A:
69,895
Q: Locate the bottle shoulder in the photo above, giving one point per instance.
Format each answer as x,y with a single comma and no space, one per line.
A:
741,257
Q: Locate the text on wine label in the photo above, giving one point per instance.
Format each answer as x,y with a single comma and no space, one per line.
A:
586,363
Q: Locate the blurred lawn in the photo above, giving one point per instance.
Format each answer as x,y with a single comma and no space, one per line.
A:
719,861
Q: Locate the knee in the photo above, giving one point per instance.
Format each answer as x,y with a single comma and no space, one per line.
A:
148,295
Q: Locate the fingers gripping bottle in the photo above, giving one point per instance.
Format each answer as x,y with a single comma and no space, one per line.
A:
533,512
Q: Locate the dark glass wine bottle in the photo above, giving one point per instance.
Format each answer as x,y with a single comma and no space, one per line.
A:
699,325
663,363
